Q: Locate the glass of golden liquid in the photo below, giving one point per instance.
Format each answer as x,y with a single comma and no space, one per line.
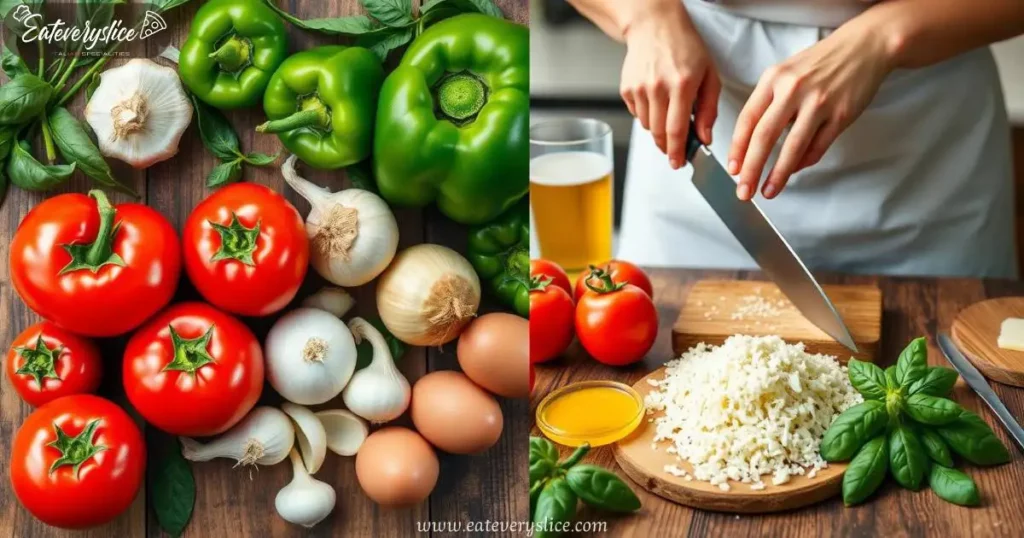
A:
571,204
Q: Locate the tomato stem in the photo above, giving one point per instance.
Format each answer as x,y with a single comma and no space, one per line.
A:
190,354
100,252
75,450
40,361
539,283
236,241
605,282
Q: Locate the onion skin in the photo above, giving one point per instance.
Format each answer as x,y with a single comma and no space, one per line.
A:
428,295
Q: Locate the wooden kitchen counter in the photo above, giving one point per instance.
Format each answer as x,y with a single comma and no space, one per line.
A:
911,307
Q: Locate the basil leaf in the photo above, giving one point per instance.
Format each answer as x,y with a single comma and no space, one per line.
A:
912,363
866,471
535,490
97,14
556,504
932,410
935,447
364,351
383,44
216,131
361,176
852,429
890,378
867,378
601,488
937,381
354,25
3,186
31,175
394,13
261,159
953,486
12,64
167,5
23,98
542,449
7,141
172,488
540,470
224,173
487,7
907,458
76,147
974,440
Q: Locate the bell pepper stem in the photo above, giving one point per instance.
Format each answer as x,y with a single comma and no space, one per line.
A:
311,117
100,250
232,55
460,96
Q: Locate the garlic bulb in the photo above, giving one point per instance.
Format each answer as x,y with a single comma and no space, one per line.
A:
310,356
331,299
353,233
309,434
379,392
305,500
263,437
139,112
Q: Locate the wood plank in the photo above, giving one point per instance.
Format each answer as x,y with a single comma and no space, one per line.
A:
912,307
716,309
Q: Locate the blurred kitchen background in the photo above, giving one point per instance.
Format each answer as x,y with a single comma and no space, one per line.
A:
574,72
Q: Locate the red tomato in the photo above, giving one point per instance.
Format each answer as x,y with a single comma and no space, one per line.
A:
551,313
545,268
77,462
246,249
92,268
193,370
620,271
618,326
46,362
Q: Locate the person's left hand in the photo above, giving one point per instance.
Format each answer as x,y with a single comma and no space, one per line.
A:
819,91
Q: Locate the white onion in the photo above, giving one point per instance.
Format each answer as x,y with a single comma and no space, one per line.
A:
310,356
428,295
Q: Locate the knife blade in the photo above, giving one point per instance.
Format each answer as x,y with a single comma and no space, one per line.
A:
762,240
978,383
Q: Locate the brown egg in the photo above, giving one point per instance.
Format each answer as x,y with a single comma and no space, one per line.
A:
396,467
494,351
454,414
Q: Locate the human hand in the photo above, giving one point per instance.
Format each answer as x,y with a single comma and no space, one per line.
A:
668,74
820,92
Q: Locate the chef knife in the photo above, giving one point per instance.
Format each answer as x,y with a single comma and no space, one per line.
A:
977,382
763,242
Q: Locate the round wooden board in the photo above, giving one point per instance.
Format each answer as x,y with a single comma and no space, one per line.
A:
976,331
645,466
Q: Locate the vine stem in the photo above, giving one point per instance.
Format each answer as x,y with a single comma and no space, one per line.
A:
84,80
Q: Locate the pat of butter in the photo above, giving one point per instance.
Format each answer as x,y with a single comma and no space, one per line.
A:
1011,334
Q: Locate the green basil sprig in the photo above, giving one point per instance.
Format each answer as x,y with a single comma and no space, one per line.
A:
76,147
920,429
172,488
391,24
555,487
22,99
31,175
220,139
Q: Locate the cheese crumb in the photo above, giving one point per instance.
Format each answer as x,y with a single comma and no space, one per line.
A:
753,406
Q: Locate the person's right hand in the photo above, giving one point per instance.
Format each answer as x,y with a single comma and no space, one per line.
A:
668,74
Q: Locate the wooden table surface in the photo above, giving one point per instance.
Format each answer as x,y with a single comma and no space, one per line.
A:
911,307
492,486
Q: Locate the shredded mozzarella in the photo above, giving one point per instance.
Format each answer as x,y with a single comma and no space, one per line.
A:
753,406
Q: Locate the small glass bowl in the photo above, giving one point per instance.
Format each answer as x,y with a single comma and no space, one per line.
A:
595,438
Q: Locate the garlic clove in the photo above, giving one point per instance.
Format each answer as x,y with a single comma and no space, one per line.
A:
345,431
139,112
379,393
310,435
263,437
331,299
305,501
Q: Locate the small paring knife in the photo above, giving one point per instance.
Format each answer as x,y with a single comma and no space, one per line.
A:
762,240
978,383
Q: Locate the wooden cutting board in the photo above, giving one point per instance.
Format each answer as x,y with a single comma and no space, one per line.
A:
717,309
976,330
645,466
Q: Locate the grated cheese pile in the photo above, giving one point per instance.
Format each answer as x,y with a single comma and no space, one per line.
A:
753,406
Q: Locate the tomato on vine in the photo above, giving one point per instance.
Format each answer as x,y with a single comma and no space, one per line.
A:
620,272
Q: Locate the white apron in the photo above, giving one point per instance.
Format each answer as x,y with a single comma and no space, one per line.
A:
919,184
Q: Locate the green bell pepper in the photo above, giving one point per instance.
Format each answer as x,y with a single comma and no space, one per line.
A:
500,253
453,120
321,104
232,49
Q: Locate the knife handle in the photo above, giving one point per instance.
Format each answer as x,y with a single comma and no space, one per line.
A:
692,142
